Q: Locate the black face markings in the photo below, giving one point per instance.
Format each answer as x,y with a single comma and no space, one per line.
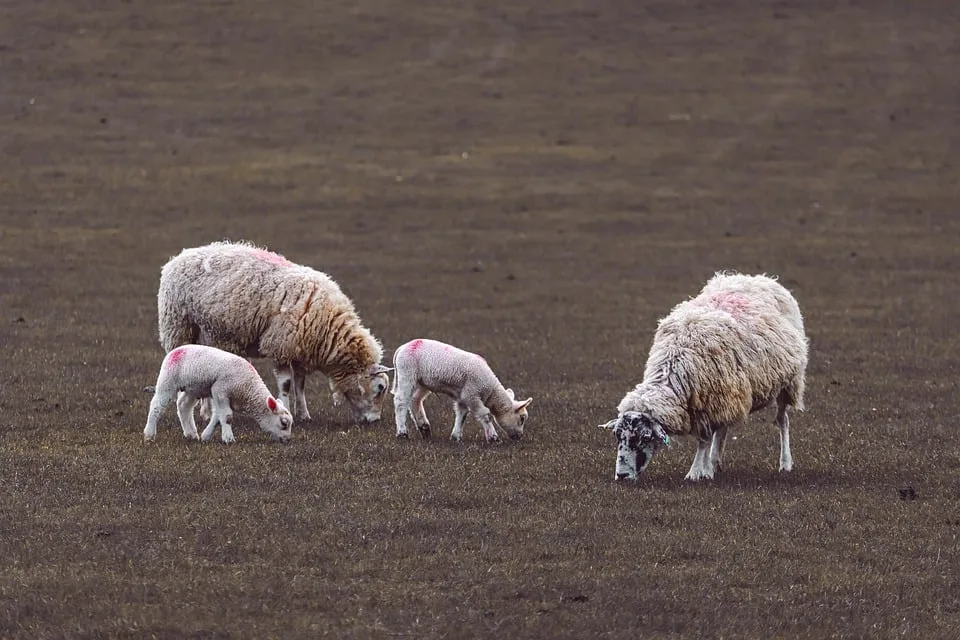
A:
285,386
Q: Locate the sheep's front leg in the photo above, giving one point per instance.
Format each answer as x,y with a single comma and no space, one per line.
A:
285,377
185,406
221,408
783,421
716,449
701,467
461,411
486,419
300,398
207,434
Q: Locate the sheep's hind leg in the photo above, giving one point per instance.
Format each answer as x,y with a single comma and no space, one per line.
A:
419,413
285,384
158,404
185,406
783,421
701,469
401,407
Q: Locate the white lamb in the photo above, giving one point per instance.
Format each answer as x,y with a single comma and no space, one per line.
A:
734,349
193,372
256,303
425,366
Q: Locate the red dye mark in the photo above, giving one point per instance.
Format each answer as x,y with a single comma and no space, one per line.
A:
271,257
416,344
253,368
176,356
733,303
272,404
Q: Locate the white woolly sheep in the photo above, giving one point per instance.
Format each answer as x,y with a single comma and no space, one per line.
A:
193,372
734,349
428,366
256,303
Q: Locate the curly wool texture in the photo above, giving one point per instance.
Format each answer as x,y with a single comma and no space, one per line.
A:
732,350
250,301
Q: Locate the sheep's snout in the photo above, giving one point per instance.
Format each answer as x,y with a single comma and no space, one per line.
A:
515,435
623,475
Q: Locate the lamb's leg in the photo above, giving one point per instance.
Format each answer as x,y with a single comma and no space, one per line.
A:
716,449
483,414
158,404
185,406
401,407
461,411
701,468
418,412
205,410
300,398
207,434
221,407
783,421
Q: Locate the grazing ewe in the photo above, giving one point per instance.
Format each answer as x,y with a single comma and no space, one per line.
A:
232,383
256,303
734,349
425,366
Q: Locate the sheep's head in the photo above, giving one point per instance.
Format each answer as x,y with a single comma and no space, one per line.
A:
512,420
278,421
364,393
639,438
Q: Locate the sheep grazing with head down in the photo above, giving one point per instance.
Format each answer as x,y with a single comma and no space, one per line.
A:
256,303
734,349
192,372
428,366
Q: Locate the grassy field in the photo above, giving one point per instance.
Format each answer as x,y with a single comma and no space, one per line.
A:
537,183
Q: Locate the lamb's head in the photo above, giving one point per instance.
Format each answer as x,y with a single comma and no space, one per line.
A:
364,393
639,438
513,418
277,420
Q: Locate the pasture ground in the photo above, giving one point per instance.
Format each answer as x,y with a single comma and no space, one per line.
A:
538,182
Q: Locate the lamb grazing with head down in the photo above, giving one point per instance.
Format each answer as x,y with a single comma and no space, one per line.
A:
192,372
428,366
256,303
734,349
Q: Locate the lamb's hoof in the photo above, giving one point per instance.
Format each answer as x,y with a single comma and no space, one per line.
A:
228,440
191,436
424,431
494,440
147,438
403,436
456,439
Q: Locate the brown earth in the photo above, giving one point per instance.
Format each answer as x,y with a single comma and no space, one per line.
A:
536,182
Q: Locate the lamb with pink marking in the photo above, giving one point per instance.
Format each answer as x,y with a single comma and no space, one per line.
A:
428,366
193,372
734,349
256,303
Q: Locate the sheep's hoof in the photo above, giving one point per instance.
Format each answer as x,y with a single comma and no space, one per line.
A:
424,431
494,440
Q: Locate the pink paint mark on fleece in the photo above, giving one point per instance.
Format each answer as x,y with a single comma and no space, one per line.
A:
252,368
735,304
176,356
271,257
415,345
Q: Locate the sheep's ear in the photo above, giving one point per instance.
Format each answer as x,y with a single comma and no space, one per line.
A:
272,404
608,425
518,406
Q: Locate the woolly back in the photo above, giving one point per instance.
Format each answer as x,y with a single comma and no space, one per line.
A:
731,350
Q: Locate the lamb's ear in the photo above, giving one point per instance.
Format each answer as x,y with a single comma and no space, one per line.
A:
517,406
272,404
510,393
608,425
377,369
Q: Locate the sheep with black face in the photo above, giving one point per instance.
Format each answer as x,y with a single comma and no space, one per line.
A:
736,348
